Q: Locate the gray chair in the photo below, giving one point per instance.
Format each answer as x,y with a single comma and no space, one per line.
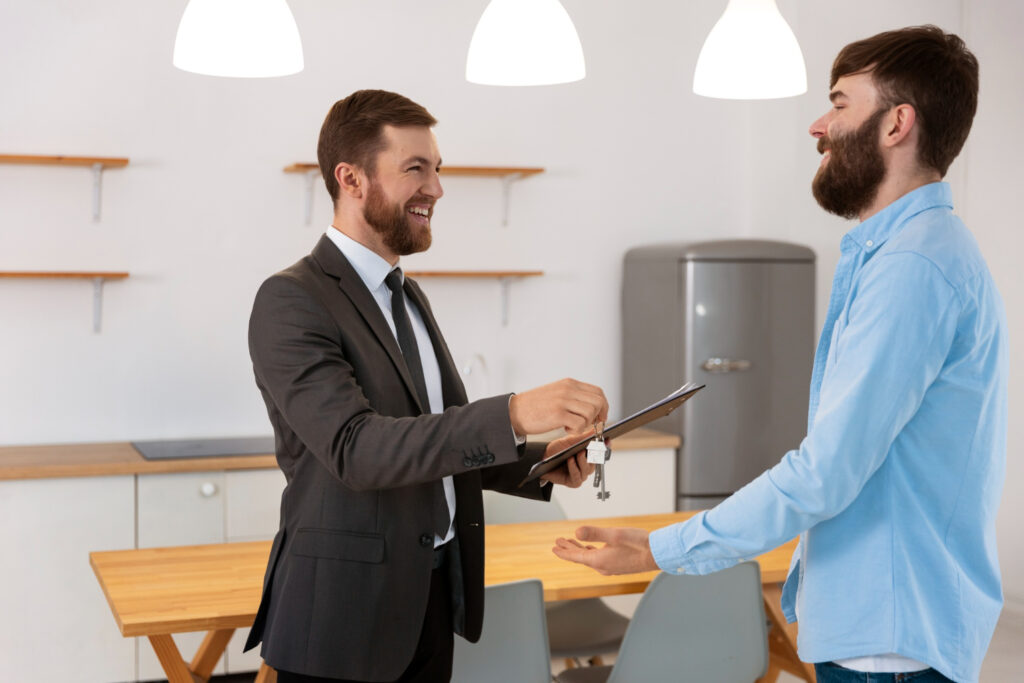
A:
708,628
513,645
577,629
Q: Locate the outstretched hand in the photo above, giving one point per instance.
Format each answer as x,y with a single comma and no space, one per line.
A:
626,551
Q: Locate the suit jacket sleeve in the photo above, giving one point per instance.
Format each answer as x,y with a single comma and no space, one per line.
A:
505,479
299,360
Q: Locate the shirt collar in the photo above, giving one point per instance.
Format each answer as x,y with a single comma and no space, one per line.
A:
875,231
371,268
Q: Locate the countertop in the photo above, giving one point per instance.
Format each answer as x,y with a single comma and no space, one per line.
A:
114,458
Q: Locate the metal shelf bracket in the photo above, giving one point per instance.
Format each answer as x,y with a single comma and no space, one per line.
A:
97,186
311,177
505,282
96,164
97,304
506,185
505,279
97,278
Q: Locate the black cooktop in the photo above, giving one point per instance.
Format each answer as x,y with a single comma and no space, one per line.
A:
204,448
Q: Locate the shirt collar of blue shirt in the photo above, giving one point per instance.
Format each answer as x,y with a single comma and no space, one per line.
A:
368,264
875,231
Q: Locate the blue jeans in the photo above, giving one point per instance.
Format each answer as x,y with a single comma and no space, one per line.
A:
833,673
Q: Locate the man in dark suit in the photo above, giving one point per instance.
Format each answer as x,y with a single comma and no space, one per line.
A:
379,556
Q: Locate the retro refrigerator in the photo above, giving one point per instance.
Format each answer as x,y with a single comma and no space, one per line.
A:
738,316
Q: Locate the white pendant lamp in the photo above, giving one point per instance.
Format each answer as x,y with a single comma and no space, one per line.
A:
240,38
525,42
750,54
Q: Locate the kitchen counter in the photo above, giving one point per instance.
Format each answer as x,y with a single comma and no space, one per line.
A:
103,459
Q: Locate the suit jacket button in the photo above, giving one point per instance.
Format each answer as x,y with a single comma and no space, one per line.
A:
467,461
490,459
426,539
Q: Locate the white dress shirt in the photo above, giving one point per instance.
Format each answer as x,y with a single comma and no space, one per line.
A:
372,269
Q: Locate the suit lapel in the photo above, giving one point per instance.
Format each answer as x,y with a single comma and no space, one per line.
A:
452,389
334,263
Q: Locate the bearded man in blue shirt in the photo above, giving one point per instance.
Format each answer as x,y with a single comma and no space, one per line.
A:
895,488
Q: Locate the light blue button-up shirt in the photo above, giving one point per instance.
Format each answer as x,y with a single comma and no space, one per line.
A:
895,487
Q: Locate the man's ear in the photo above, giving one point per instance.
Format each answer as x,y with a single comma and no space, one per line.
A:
899,124
351,180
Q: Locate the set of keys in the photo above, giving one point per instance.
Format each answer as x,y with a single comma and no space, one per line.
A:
598,454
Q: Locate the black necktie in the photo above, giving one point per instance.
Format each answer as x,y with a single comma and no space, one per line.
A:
411,352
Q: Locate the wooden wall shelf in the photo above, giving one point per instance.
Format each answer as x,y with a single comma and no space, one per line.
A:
97,164
97,277
488,171
60,160
300,167
498,274
507,174
492,171
504,277
69,274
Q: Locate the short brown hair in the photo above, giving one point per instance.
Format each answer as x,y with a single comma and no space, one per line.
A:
929,69
353,131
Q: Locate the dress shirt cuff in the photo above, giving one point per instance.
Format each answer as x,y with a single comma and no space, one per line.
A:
520,440
666,551
678,549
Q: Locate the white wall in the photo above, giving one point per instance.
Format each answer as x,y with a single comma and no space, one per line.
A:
994,179
204,213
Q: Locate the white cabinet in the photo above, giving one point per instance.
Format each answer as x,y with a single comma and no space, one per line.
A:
55,624
180,509
641,482
197,508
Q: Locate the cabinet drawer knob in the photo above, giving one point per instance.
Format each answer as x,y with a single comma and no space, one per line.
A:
208,489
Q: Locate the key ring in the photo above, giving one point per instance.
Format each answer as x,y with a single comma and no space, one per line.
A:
599,430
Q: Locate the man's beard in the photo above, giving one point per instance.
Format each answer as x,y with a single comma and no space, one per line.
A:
849,181
392,223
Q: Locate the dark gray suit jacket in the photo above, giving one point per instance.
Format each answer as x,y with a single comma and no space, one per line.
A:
345,590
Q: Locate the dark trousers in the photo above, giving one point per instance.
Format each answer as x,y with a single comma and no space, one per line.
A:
432,660
833,673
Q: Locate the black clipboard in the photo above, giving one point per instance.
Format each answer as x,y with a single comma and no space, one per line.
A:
625,425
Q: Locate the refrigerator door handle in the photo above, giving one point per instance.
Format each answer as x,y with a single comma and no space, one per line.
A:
720,365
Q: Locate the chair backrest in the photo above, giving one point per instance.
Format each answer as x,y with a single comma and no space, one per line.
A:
707,628
514,643
501,508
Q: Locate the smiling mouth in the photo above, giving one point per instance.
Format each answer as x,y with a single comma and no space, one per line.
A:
421,213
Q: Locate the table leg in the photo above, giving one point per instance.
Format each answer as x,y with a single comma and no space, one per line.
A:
782,654
209,653
266,674
170,659
206,658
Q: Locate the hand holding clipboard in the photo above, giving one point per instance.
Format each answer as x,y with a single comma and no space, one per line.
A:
646,416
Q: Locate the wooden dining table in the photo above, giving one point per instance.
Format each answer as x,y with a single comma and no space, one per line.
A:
156,592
